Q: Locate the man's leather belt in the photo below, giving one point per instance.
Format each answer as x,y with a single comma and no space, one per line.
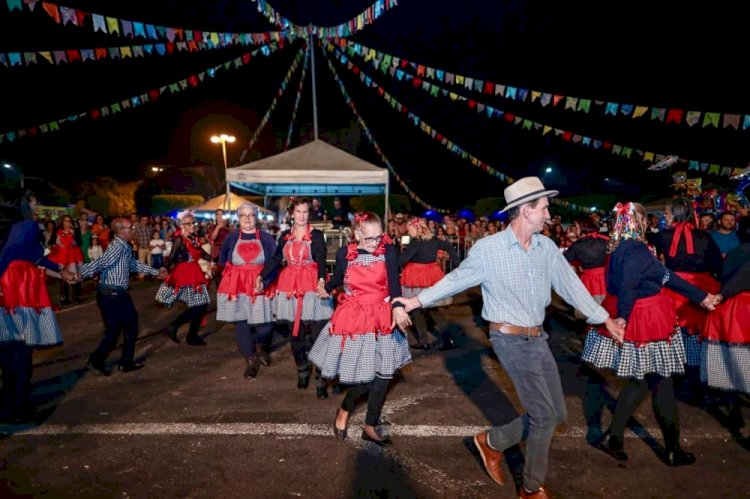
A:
520,330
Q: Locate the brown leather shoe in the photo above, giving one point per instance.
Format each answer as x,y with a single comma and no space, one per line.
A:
540,493
490,457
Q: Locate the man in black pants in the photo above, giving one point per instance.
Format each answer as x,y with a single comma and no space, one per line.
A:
115,303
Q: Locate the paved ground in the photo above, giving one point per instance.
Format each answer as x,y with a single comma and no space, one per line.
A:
189,425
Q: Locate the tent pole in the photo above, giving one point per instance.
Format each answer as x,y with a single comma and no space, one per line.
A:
387,207
314,91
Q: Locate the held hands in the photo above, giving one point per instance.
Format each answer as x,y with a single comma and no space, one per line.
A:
69,277
616,328
408,303
162,274
258,285
322,293
400,318
711,300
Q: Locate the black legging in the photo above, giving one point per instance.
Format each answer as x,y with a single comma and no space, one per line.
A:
193,315
249,336
16,367
375,391
301,346
665,407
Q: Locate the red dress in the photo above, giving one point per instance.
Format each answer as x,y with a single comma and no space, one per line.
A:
65,250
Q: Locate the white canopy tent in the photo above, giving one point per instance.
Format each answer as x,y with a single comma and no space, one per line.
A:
313,169
235,201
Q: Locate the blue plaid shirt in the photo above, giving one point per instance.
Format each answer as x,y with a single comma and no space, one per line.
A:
516,283
115,266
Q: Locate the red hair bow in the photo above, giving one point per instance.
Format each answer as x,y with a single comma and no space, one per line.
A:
622,209
361,217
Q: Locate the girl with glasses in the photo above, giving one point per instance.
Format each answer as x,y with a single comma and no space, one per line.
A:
363,344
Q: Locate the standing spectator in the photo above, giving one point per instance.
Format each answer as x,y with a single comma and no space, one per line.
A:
142,238
157,247
725,236
317,212
706,222
652,229
66,252
115,303
401,228
216,237
101,231
517,269
95,250
339,215
83,237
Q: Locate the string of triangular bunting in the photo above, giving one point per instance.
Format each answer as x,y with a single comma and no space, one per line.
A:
371,138
11,59
578,104
431,131
267,116
569,136
154,94
358,22
132,29
297,99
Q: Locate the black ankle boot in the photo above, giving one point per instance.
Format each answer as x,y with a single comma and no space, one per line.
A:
677,457
251,369
613,446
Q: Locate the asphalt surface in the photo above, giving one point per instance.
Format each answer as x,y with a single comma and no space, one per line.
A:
189,424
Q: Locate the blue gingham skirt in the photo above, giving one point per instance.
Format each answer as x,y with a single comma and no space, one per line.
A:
185,294
244,309
36,329
313,307
362,356
726,365
635,361
692,348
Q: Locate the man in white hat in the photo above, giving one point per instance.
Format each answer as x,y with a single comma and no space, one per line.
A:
516,269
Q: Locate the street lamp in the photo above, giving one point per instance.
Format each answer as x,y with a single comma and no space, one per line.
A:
223,139
20,173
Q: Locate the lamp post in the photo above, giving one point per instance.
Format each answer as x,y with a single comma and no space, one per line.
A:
223,139
20,173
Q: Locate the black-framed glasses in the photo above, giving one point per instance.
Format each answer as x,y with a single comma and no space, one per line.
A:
373,240
188,223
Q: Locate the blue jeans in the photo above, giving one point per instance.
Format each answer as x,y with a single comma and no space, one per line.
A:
157,261
529,363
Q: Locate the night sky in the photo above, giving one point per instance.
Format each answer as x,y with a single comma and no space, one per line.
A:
630,53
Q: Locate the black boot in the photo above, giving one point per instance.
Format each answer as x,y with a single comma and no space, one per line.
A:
448,343
64,292
674,455
253,364
677,457
303,377
613,446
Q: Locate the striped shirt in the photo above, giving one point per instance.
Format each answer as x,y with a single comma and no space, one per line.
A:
115,266
516,283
